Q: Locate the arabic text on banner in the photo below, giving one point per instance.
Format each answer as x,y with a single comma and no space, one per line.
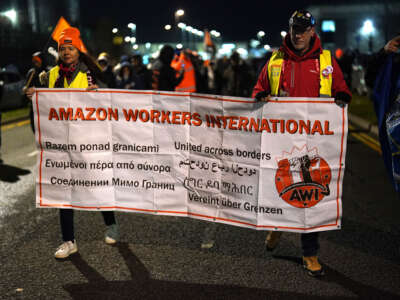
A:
276,165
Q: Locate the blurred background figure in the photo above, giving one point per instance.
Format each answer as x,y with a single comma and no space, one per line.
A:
140,69
128,79
237,77
209,69
32,79
345,60
104,61
123,58
165,78
200,72
221,66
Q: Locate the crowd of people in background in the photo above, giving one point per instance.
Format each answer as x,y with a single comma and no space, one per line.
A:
229,75
182,70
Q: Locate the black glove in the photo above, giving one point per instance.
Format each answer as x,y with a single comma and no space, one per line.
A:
261,95
342,99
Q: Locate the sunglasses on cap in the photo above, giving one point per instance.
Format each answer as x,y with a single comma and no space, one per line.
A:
301,20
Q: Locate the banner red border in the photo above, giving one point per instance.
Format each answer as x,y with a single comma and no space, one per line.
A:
184,213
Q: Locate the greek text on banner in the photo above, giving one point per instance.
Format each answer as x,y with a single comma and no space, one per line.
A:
276,165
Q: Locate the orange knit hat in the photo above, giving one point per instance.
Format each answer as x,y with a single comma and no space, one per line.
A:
71,36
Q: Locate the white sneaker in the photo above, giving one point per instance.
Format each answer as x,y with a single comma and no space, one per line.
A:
110,240
112,234
66,249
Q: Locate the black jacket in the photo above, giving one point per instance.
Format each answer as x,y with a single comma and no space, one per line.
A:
376,62
164,77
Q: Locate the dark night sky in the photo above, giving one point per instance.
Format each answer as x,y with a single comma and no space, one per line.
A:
236,20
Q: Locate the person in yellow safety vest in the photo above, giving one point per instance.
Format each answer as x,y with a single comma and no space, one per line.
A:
301,68
188,83
74,69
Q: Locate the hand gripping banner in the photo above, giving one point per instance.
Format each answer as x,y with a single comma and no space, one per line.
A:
267,166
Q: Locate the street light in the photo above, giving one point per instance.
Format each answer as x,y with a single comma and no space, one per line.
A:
132,26
10,14
178,16
115,30
182,27
215,33
260,34
254,43
368,28
167,27
179,13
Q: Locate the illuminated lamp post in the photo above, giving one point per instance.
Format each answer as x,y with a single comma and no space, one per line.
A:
367,31
11,15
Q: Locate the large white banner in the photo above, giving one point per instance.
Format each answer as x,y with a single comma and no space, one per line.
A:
276,165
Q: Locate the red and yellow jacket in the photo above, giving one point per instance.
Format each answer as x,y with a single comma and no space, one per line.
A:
315,74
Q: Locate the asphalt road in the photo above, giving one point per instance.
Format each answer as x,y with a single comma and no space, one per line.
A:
161,257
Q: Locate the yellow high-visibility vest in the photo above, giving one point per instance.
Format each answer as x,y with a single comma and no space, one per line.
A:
79,82
275,70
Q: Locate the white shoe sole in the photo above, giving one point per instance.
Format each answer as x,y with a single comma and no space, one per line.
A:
110,241
65,255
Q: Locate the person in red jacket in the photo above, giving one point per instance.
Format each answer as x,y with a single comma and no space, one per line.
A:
301,68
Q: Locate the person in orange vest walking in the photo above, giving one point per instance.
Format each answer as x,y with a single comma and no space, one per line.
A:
188,83
301,68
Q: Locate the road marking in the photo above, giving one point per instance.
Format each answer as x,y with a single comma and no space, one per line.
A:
367,140
33,153
18,124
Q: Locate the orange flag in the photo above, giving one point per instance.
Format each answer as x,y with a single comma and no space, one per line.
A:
207,39
61,25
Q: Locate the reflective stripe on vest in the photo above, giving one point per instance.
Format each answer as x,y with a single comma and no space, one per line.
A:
190,89
274,71
325,66
79,82
325,74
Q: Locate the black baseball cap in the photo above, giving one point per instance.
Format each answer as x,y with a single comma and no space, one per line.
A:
301,20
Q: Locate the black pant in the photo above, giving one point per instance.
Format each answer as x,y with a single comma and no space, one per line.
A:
0,130
31,117
309,243
67,222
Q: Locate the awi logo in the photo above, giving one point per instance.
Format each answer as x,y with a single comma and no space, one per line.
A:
303,177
